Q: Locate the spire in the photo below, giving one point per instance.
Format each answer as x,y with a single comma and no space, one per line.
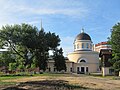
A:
82,31
41,24
41,28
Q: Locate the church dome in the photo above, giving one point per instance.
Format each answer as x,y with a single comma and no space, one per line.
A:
83,42
83,36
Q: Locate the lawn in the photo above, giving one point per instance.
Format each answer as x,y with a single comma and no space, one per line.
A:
48,81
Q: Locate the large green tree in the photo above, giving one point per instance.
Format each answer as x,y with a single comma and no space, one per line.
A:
29,45
115,42
45,42
59,60
20,40
41,50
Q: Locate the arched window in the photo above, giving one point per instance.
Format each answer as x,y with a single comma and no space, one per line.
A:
87,45
82,45
77,46
82,61
90,46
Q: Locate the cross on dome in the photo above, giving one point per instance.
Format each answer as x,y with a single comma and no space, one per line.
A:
82,31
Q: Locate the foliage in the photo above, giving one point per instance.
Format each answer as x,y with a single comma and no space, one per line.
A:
20,39
41,49
53,40
12,66
6,57
45,42
114,40
116,65
21,67
28,46
59,60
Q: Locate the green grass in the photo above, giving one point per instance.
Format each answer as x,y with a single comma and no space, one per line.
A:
10,77
106,77
7,78
7,83
23,75
116,78
51,74
66,86
16,76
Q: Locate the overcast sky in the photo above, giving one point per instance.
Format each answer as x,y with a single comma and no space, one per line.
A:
66,18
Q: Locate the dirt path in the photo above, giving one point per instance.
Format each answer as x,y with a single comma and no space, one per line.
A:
89,82
97,83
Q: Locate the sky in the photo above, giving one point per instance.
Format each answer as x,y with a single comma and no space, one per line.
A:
66,18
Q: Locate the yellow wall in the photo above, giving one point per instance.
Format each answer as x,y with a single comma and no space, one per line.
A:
91,57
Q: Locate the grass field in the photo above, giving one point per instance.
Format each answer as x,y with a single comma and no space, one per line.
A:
49,81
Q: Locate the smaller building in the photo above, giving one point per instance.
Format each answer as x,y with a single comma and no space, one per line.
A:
105,54
102,45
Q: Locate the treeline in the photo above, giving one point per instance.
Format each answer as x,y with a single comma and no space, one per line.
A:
114,40
28,47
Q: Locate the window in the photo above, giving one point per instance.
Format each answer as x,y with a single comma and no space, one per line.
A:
82,60
54,69
77,46
83,70
87,45
90,46
49,69
86,69
71,69
82,45
78,69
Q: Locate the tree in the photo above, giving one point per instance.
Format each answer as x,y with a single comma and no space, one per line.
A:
116,65
6,57
115,42
28,44
59,60
53,40
41,49
45,42
20,39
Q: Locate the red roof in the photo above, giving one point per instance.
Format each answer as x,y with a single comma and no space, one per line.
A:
101,43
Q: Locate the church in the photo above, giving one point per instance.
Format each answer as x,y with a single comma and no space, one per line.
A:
83,59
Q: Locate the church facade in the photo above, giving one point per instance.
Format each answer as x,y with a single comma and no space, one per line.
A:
83,59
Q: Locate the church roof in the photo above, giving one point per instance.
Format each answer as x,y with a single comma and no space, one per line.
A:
83,36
